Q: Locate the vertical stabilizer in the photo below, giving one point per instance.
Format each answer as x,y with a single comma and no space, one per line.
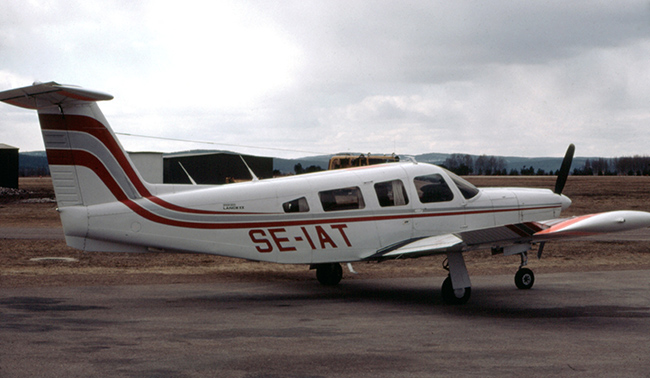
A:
87,163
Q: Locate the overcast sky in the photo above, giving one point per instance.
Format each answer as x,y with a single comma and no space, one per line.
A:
309,77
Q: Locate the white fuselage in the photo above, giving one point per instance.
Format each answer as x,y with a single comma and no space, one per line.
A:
333,216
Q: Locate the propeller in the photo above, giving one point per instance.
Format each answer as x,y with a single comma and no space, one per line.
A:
562,176
564,169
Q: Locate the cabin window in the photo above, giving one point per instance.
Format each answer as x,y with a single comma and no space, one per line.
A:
466,188
391,193
298,205
433,188
342,199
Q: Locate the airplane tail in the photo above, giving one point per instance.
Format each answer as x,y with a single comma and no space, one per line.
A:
87,163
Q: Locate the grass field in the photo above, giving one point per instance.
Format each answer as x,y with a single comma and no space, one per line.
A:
589,195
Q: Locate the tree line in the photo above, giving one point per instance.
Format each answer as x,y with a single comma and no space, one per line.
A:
636,165
463,164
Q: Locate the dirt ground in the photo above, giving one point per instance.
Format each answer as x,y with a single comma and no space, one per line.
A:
34,207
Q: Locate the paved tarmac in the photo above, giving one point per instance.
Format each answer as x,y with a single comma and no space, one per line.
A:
41,233
594,324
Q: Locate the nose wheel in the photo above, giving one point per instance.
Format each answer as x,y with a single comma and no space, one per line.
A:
524,279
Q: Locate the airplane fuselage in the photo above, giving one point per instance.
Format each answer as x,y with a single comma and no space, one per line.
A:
332,216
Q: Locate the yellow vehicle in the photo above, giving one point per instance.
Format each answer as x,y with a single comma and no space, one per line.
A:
350,160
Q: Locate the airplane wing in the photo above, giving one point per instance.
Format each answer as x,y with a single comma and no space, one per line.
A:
516,238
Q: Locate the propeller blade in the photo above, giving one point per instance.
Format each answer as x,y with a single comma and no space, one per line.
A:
564,169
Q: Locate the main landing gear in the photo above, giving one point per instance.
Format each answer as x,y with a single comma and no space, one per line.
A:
454,296
328,274
456,288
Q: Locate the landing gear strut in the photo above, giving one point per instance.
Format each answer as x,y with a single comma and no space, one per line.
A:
524,279
328,274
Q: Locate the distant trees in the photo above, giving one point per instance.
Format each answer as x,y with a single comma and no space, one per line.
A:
464,164
460,164
298,169
490,165
632,165
623,166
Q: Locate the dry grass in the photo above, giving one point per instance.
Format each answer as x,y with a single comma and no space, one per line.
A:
589,194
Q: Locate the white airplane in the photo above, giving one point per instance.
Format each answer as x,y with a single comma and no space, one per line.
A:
373,213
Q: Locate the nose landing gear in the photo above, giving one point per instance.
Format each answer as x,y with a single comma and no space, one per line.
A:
524,278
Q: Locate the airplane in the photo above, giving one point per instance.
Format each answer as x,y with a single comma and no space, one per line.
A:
381,212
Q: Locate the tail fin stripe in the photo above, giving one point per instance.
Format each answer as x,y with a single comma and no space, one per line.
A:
90,161
93,146
99,131
62,141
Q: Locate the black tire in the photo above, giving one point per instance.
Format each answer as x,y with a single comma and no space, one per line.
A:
329,274
524,279
449,295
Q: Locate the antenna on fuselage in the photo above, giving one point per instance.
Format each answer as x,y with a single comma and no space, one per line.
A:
249,169
187,173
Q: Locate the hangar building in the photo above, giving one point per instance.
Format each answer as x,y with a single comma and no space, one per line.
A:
214,167
8,166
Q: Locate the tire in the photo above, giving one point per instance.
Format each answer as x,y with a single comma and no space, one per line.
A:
329,274
450,296
524,279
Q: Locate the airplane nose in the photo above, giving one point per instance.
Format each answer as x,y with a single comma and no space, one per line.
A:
566,201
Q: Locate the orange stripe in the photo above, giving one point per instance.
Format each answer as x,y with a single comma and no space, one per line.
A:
562,225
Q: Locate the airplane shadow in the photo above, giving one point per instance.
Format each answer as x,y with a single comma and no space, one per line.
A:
486,302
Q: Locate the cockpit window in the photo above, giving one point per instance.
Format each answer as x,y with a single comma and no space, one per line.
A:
298,205
391,193
466,188
342,199
433,188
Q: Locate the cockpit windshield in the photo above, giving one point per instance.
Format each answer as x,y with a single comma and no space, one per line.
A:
467,189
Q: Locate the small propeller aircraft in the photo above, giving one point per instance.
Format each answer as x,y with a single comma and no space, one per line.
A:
371,213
